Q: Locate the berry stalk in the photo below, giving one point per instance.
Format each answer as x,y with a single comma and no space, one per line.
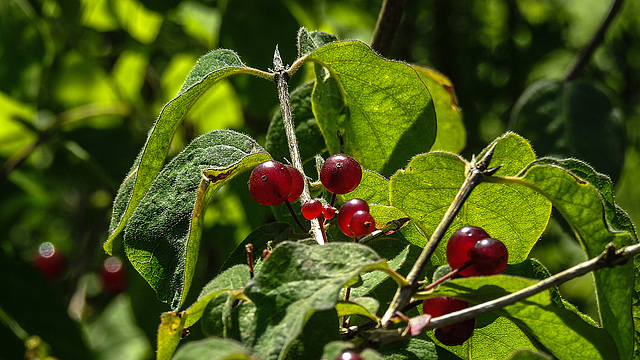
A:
281,77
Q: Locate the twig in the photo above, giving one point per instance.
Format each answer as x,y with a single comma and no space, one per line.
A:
585,54
282,82
387,24
476,171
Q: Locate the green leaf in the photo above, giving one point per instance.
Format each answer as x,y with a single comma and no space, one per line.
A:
209,69
401,256
308,133
319,330
567,118
309,41
528,355
162,237
494,337
169,334
333,349
214,349
373,188
381,107
234,278
582,207
364,306
297,280
560,331
411,349
616,216
260,239
515,215
451,135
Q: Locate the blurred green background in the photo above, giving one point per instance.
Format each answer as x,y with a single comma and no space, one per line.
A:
81,82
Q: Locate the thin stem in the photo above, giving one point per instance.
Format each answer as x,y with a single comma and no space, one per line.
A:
387,25
477,170
295,217
249,248
585,54
281,77
451,274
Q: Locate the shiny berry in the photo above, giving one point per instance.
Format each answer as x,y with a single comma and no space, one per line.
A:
346,212
349,355
459,247
311,209
340,174
362,223
489,256
270,183
297,183
49,262
328,212
454,334
112,275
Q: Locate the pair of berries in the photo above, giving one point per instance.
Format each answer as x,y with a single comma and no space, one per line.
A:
272,183
472,247
472,244
354,218
313,208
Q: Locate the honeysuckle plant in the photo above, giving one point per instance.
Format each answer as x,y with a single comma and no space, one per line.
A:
314,295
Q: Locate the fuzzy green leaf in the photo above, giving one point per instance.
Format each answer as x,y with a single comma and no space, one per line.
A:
209,69
295,281
214,349
162,237
382,107
560,331
309,41
515,215
411,349
582,207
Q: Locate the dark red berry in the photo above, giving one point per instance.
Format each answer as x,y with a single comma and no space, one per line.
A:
362,223
328,212
454,334
349,355
459,247
340,174
489,256
270,183
311,209
297,183
49,262
346,212
112,276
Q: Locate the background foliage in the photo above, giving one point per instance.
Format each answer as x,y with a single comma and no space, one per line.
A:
83,81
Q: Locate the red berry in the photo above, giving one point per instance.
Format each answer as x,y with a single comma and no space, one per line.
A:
340,174
112,275
362,223
346,212
311,209
51,263
349,355
489,256
297,183
270,183
459,247
328,212
454,334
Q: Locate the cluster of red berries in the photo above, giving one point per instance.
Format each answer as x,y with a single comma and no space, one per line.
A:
273,183
472,248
